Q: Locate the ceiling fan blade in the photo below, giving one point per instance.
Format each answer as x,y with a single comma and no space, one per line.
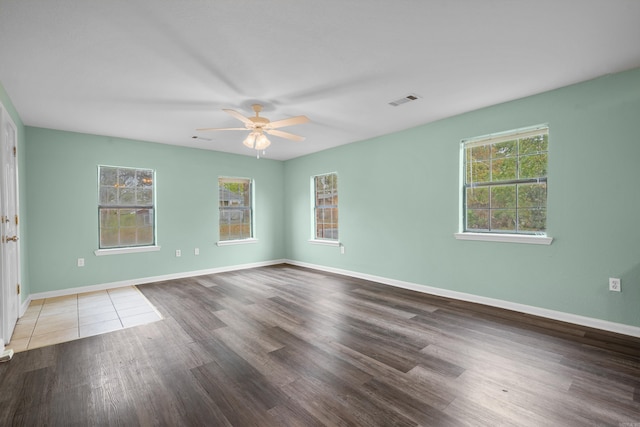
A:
238,116
286,135
207,129
288,122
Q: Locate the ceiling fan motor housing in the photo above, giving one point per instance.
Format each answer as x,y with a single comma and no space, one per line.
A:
259,121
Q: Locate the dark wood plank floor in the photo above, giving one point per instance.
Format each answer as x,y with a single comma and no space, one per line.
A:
286,346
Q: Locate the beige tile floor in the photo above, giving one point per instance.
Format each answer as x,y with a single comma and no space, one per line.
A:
55,320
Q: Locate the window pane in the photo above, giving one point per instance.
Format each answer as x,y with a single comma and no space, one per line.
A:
127,218
127,177
144,217
145,178
480,172
109,218
144,196
504,169
533,166
477,198
126,196
534,145
327,223
532,195
504,149
503,219
478,219
482,152
108,176
109,237
128,237
503,197
108,195
532,219
235,225
145,236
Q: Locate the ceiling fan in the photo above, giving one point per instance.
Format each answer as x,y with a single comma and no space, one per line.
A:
261,125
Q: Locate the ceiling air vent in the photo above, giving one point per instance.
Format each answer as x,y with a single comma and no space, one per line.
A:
405,99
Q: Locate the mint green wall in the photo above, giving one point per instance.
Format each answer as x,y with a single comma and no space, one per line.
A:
22,177
400,203
62,199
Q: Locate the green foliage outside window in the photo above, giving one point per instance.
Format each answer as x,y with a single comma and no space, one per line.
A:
506,184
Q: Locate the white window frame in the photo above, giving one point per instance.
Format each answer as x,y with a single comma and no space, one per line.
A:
246,240
122,249
314,207
539,237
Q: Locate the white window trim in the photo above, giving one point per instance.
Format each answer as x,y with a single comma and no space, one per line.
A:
129,250
237,242
325,242
505,238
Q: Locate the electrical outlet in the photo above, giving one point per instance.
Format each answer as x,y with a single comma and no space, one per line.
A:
614,284
196,251
178,253
342,249
80,262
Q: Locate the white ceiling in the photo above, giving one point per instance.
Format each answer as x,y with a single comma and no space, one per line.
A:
155,70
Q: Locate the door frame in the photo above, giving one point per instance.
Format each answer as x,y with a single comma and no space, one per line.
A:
9,297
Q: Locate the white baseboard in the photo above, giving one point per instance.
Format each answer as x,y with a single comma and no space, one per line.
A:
141,281
590,322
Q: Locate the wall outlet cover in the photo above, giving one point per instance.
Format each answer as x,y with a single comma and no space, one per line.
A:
614,284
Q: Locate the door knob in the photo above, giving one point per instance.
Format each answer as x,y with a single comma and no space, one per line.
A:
12,239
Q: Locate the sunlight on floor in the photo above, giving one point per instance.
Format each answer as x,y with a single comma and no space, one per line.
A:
54,320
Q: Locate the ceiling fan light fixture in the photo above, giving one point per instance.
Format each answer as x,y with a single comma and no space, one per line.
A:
250,140
262,142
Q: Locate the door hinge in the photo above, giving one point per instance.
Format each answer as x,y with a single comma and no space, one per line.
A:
18,288
15,151
17,220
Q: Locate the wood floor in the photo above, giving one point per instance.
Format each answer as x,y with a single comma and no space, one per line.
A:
286,346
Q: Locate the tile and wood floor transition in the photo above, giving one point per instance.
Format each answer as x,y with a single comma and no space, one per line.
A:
287,346
60,319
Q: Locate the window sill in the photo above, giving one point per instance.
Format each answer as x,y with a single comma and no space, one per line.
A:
505,238
236,242
132,250
324,242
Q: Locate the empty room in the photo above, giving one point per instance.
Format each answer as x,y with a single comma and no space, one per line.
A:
366,213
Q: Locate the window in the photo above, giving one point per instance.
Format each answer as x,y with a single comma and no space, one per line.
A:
126,207
236,208
325,211
505,183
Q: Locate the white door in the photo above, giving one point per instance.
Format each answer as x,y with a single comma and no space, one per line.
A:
9,245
